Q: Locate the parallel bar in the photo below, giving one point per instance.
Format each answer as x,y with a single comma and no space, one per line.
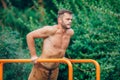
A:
70,69
1,71
89,61
68,61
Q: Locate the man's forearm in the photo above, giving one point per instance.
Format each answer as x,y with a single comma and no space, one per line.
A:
31,45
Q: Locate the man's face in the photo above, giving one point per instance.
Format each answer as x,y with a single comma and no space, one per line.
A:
66,20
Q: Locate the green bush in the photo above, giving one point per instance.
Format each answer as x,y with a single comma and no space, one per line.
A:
97,35
11,48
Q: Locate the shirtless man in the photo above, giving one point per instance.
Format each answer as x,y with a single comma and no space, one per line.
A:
55,41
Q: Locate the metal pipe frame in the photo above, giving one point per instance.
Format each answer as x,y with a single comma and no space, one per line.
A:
3,61
64,60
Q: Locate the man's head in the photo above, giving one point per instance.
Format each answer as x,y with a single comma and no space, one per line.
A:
65,18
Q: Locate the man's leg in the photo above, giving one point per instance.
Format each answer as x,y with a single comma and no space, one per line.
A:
40,73
37,73
54,74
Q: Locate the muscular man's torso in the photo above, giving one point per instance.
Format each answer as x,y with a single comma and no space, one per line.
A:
55,45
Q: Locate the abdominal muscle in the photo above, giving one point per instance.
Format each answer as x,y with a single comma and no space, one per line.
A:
51,52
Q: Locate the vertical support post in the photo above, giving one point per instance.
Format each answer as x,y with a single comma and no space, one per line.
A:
97,66
1,71
97,70
70,70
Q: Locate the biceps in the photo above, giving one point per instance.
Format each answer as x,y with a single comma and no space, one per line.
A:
38,34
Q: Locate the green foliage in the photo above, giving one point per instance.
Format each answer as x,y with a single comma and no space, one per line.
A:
9,42
97,35
11,47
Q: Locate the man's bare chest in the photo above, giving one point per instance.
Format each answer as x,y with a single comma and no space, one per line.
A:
60,40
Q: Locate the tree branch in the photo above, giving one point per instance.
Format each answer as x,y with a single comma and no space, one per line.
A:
4,4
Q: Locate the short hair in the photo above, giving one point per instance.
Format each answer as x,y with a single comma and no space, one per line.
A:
61,12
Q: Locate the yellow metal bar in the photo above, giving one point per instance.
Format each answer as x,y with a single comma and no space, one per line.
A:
70,69
1,71
89,61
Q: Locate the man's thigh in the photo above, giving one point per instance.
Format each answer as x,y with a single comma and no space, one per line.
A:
54,74
43,74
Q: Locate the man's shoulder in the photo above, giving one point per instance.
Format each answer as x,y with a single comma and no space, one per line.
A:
70,32
51,29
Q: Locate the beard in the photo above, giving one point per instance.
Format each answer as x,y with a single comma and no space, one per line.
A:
64,26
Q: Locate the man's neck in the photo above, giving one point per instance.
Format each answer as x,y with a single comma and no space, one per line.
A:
60,27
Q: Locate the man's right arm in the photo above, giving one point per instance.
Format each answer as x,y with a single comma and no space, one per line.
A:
31,45
39,33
